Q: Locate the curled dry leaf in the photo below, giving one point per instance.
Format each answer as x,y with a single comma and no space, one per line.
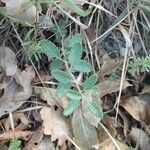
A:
140,137
137,108
56,125
18,10
84,133
25,135
51,96
8,60
109,65
16,93
109,145
110,86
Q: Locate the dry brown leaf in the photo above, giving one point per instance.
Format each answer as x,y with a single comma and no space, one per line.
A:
43,78
51,96
25,135
45,144
137,108
33,143
56,125
110,86
15,95
17,116
84,133
15,9
7,102
140,137
8,60
110,125
24,78
109,145
109,65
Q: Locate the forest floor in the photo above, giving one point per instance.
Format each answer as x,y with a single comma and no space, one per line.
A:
74,74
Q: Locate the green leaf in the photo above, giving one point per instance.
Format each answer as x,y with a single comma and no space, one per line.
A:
71,94
85,134
62,87
55,64
50,49
75,54
75,8
73,104
74,39
96,109
83,66
90,82
61,76
15,144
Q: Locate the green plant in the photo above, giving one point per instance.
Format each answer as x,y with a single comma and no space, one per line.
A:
71,56
15,144
141,64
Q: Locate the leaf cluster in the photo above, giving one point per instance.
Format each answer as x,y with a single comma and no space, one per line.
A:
71,56
141,64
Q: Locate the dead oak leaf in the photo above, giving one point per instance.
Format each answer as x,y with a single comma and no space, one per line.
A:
16,93
137,108
56,125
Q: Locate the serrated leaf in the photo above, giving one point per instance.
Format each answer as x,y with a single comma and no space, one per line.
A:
90,82
61,76
71,94
50,49
55,64
85,134
87,98
96,109
62,87
73,40
83,66
75,54
73,104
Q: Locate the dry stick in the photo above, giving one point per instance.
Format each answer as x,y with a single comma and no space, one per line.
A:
109,29
137,28
90,48
128,45
29,109
72,141
11,121
113,140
